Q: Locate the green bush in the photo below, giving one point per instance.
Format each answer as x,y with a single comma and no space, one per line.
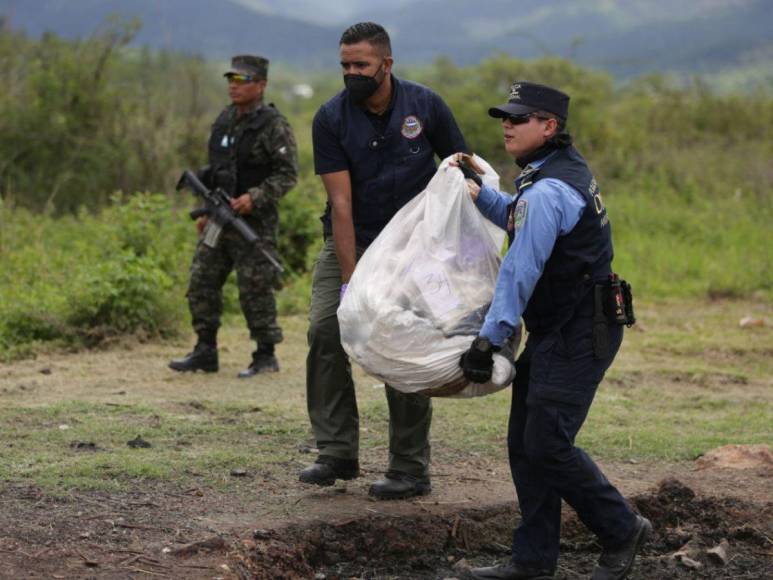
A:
79,279
123,294
299,224
79,120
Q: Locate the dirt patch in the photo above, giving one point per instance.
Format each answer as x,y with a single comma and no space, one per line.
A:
692,525
687,528
159,530
737,457
105,535
376,547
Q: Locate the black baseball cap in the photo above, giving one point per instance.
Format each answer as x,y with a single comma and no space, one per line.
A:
526,97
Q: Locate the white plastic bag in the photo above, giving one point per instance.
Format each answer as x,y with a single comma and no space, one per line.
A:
420,292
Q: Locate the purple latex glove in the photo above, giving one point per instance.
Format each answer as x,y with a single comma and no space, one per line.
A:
344,286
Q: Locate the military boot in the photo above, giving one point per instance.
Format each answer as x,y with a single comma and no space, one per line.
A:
325,470
617,563
263,361
510,571
203,358
399,485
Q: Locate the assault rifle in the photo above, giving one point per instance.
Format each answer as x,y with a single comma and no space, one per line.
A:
217,206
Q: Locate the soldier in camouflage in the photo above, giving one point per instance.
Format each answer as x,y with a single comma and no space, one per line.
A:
253,156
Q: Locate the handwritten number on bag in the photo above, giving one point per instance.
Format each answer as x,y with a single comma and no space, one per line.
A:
435,283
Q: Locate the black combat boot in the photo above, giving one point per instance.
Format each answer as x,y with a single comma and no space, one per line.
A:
616,564
263,361
326,469
510,571
203,358
399,485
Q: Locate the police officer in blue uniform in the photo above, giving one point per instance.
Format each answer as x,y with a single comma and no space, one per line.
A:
374,147
557,276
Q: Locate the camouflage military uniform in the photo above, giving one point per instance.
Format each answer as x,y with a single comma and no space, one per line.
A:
253,153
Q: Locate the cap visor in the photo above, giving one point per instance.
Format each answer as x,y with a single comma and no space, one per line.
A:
238,71
508,109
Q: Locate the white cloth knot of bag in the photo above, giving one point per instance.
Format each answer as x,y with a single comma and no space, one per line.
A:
420,292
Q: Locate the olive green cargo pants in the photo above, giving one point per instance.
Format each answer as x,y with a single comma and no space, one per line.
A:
330,392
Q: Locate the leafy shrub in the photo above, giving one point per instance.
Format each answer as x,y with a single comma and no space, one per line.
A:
123,295
299,225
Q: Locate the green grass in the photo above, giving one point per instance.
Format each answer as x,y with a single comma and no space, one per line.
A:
667,246
205,443
687,381
691,381
650,421
661,422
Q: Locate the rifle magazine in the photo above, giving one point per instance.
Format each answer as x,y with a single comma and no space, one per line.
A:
212,234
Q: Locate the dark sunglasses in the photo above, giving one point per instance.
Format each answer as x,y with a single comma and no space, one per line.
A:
239,79
523,119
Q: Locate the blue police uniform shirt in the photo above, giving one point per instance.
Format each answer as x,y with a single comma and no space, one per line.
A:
390,157
552,209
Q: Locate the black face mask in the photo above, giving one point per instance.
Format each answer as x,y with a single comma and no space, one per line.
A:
361,87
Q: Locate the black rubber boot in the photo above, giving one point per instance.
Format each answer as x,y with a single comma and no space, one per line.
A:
263,361
325,470
203,358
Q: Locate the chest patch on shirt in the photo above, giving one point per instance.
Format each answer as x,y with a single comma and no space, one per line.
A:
411,127
517,216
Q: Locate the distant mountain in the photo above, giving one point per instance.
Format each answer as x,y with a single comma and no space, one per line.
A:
338,12
211,28
625,37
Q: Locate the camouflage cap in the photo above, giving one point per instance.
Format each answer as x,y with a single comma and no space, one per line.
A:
249,64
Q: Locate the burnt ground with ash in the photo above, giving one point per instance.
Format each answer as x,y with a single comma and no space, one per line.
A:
430,546
277,528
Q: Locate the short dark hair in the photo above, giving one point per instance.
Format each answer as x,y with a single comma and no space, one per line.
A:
369,32
548,115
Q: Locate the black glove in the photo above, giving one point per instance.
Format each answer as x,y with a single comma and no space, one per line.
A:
478,362
468,173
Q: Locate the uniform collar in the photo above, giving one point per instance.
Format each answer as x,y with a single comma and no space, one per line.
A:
540,162
525,178
250,112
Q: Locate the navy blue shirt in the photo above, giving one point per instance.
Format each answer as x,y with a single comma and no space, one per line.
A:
390,157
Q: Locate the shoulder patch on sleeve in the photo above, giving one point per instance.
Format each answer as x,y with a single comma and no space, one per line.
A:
519,214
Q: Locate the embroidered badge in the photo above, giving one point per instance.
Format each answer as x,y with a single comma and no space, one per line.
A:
515,93
519,216
411,127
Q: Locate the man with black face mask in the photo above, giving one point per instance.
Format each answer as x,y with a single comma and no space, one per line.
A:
374,147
